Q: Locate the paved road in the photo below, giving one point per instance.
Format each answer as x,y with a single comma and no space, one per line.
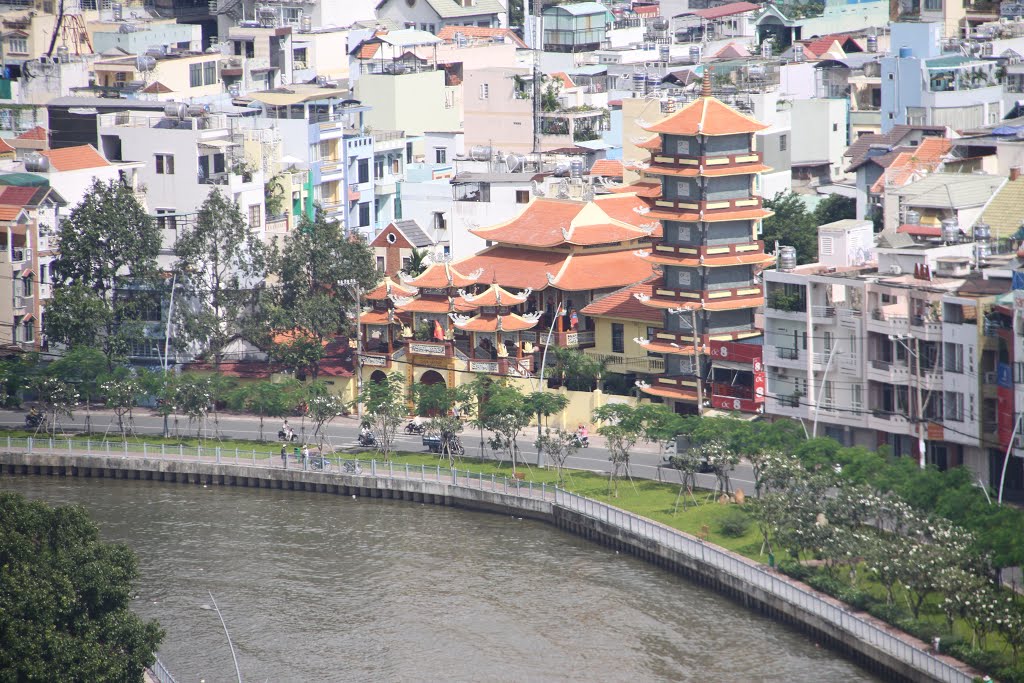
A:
342,433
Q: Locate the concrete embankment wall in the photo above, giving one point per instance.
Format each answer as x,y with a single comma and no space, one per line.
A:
893,658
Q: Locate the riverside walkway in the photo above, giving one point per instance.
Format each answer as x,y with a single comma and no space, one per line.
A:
871,642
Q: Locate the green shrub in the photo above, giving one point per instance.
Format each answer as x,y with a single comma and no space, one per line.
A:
796,570
826,584
985,660
922,630
856,598
892,614
1011,674
734,523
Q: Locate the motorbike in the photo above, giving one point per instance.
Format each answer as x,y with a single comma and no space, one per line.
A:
281,436
415,428
582,441
367,439
319,462
33,420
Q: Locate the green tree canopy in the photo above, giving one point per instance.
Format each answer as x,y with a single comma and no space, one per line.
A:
64,606
791,225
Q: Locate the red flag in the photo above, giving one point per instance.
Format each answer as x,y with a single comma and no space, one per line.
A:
438,332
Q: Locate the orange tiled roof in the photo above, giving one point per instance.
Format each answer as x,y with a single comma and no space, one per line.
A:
609,168
622,304
713,172
374,318
652,143
495,295
553,222
564,79
389,286
74,158
36,133
622,207
5,148
435,305
737,215
447,34
495,323
734,304
912,164
156,88
669,348
756,258
10,213
521,268
706,116
442,276
638,186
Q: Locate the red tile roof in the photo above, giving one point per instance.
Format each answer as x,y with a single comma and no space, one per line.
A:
10,213
17,196
447,34
755,258
582,271
622,304
819,46
553,222
706,116
564,79
5,148
156,87
495,295
389,286
37,133
622,207
726,10
576,271
74,158
368,50
920,230
913,163
493,323
609,168
732,51
442,276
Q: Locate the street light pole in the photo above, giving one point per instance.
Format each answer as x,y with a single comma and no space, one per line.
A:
919,408
358,296
540,380
821,389
1006,458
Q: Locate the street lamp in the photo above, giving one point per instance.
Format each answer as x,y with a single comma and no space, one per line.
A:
821,387
919,419
559,312
357,293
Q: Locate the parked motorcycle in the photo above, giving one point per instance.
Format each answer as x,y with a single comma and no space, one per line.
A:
415,428
367,439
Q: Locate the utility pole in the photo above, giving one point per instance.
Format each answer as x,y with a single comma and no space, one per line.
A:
1009,450
918,412
357,292
540,381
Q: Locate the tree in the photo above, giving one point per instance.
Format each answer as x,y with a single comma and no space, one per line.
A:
65,607
417,262
791,225
219,261
106,241
543,405
122,395
558,446
506,413
309,303
322,408
77,316
623,427
265,399
575,370
384,409
439,402
834,208
192,397
57,399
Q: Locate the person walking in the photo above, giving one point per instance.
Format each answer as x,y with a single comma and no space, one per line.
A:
305,455
284,456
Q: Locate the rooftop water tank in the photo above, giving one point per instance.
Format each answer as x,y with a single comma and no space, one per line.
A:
913,217
305,23
660,24
480,153
176,110
982,250
950,230
982,232
639,81
664,52
766,49
787,258
198,109
36,163
906,51
872,44
515,162
145,63
695,53
575,168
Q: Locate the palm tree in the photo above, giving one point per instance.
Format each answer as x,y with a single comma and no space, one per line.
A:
417,262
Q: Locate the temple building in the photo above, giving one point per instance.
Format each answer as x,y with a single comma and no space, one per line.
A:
495,311
709,257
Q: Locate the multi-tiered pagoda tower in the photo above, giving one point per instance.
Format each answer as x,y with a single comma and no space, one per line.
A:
706,158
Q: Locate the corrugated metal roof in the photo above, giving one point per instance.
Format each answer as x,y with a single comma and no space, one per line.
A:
951,190
449,9
1004,213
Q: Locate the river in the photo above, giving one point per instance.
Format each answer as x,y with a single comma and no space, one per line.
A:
316,587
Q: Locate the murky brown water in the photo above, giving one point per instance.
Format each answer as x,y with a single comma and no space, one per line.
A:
325,588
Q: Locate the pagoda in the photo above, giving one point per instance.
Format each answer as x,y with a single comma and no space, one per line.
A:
709,256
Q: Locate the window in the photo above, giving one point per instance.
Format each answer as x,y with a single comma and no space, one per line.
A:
18,45
209,73
440,155
439,221
164,164
835,127
933,5
378,169
953,404
195,75
522,196
165,219
218,162
485,91
255,215
26,286
364,214
28,331
299,58
782,143
406,263
618,338
364,170
380,264
408,152
324,151
396,165
292,16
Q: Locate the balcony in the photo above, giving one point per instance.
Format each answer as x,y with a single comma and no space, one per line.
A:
624,364
786,353
888,323
575,339
686,160
693,251
790,401
927,327
21,254
888,372
513,367
22,302
711,207
823,312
